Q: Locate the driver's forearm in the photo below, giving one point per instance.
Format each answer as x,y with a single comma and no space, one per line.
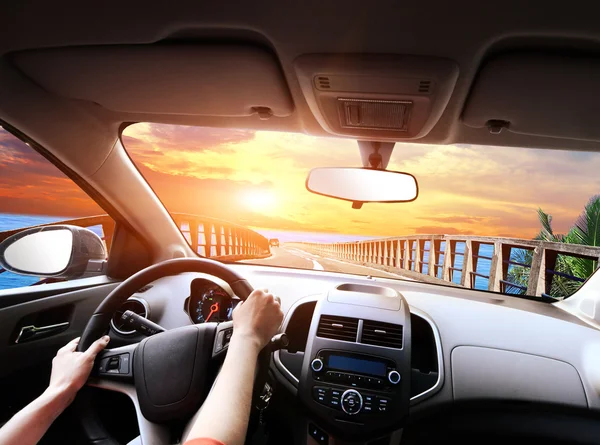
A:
225,412
29,425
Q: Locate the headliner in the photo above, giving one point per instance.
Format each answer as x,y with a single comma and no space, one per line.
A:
466,32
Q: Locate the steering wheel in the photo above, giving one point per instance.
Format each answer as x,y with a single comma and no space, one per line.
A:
165,375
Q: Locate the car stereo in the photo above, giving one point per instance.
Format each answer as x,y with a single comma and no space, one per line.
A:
341,372
355,370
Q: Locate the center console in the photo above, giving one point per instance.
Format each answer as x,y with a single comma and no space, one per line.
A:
355,375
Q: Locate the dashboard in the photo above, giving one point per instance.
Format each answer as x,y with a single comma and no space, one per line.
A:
441,344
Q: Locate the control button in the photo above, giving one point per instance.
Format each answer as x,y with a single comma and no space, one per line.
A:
383,404
351,402
317,365
334,402
368,399
394,377
113,364
318,434
320,394
219,342
124,365
368,408
336,393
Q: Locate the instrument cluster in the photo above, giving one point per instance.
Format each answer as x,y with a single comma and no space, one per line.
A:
209,302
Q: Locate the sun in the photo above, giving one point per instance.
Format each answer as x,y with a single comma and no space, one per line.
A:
262,201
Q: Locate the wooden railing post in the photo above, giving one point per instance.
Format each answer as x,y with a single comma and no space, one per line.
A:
447,271
219,234
432,257
418,256
466,275
398,262
407,254
194,234
207,239
498,268
536,286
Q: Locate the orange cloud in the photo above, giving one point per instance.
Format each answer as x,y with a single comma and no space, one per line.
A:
30,184
466,189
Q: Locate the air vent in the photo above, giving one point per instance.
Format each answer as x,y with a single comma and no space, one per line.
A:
337,328
136,305
381,334
425,86
323,83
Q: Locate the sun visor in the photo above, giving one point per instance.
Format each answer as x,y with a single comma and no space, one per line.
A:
541,95
376,97
206,80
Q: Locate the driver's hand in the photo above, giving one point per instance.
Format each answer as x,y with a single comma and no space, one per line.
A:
71,369
258,318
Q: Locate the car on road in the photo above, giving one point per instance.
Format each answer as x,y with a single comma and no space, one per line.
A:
431,166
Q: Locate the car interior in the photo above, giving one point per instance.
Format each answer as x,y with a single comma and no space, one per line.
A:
366,358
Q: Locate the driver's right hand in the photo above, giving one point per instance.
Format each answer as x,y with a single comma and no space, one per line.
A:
258,317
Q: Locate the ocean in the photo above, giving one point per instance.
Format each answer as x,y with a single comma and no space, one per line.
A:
9,221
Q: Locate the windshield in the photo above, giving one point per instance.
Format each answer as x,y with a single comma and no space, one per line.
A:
240,195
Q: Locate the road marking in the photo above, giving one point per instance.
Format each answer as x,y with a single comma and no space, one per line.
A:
302,254
381,271
317,265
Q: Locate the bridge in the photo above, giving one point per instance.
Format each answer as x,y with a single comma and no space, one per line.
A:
473,262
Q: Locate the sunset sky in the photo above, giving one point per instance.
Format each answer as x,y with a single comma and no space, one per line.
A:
257,179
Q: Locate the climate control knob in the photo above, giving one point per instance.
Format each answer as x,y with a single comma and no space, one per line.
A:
316,365
394,377
351,402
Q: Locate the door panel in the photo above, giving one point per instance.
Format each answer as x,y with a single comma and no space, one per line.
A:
74,307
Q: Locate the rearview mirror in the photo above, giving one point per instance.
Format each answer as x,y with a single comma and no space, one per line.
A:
60,251
363,184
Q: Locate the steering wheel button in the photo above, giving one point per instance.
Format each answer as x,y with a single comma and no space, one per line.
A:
124,364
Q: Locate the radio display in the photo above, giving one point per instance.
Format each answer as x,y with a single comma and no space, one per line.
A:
357,365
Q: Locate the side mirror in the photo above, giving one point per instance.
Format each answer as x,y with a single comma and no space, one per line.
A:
60,251
361,185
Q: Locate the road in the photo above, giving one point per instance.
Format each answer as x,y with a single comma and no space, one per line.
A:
293,257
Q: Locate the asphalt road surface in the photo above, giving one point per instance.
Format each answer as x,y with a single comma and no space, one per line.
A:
294,257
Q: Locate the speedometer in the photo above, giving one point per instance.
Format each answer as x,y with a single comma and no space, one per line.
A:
215,305
208,302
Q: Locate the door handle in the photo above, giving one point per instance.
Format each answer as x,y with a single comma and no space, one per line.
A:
32,332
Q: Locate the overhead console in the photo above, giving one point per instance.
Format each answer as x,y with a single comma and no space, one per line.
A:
376,97
351,354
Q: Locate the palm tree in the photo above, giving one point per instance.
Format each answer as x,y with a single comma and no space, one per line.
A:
585,231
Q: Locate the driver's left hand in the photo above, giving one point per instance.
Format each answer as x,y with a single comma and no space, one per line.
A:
71,369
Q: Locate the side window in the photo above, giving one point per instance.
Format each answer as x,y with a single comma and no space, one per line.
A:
34,192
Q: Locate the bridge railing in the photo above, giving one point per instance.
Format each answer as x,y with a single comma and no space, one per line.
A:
210,237
458,259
